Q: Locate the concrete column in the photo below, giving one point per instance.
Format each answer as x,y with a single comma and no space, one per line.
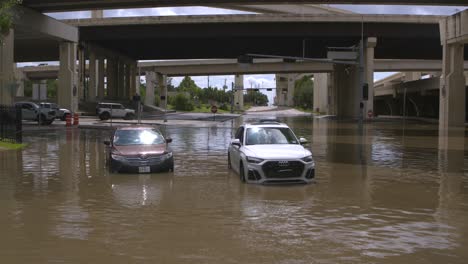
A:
20,77
43,90
81,73
452,87
36,88
321,83
346,80
7,83
120,79
93,77
97,13
133,78
67,94
332,95
150,83
162,86
369,74
239,94
100,82
111,78
291,81
281,89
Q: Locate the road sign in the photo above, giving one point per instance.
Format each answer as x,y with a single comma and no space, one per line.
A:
214,109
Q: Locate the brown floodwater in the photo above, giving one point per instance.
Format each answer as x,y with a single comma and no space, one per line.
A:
385,192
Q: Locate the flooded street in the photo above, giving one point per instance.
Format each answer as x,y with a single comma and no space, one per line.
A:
386,192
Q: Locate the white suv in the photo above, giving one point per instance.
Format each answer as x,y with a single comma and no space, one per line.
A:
32,111
108,110
269,152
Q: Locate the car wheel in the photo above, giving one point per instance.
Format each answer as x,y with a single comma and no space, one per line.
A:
229,162
242,173
41,120
129,116
104,116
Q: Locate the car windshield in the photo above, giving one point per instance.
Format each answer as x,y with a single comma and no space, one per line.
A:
138,137
270,135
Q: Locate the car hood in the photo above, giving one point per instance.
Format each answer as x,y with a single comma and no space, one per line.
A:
134,150
277,151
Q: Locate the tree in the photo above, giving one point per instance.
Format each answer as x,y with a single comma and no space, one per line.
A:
6,16
255,97
188,85
304,92
182,103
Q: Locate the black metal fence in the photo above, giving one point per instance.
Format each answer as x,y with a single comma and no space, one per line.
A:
10,124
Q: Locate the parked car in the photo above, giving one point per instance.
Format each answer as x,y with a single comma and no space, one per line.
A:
141,149
269,152
61,113
32,111
114,110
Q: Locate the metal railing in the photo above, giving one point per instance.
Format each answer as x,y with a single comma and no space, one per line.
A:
10,124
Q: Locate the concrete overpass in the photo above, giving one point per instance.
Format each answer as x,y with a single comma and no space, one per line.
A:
260,66
209,37
70,5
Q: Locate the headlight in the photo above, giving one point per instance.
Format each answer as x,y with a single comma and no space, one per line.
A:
308,159
254,160
118,157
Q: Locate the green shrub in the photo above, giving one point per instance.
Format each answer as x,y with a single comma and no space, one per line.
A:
182,103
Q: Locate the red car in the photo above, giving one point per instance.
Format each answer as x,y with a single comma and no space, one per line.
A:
140,149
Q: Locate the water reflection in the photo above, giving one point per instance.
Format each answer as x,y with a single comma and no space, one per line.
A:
384,194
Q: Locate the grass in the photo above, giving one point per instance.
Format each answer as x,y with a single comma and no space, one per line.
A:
11,146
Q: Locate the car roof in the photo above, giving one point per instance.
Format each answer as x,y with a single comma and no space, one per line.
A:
266,123
110,103
137,127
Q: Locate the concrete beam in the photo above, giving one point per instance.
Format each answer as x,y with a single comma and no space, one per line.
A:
288,9
71,5
33,22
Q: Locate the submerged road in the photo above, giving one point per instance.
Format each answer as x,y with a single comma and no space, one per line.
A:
386,192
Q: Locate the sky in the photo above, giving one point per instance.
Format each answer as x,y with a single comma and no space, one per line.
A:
260,80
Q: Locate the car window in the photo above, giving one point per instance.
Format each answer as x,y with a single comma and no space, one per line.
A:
138,137
240,134
270,135
26,106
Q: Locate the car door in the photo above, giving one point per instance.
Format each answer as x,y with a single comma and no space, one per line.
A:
234,151
28,112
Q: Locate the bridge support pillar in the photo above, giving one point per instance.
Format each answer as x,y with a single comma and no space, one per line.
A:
322,86
7,82
120,79
162,86
133,78
454,35
346,81
150,83
20,77
67,94
81,73
369,74
281,89
100,79
93,77
239,94
111,78
290,97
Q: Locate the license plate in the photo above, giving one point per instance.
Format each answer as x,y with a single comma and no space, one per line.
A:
145,169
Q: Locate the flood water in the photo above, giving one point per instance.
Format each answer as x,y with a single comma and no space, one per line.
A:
385,192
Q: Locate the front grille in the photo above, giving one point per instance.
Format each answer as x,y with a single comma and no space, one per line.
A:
283,169
139,160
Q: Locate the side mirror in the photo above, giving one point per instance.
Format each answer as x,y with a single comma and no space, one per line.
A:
168,140
107,143
236,142
303,141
